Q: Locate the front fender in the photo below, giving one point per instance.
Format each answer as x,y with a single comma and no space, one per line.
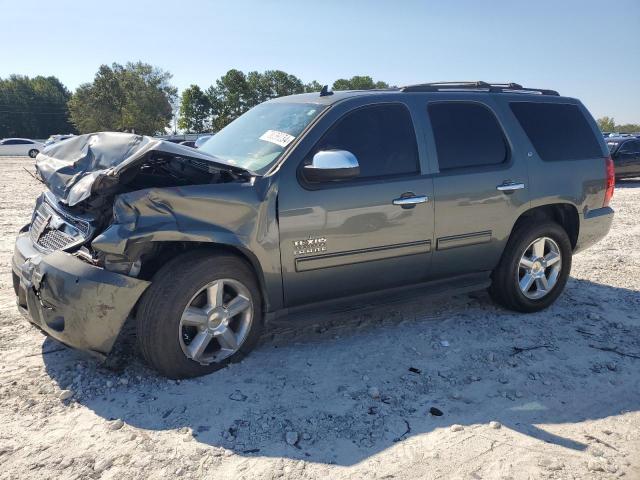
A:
232,214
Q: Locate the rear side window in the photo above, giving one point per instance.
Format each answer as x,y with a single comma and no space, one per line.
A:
558,131
466,135
630,147
381,137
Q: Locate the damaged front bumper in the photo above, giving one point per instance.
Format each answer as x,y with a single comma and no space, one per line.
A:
81,305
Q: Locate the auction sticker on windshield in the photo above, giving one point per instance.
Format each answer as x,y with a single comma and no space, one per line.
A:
279,138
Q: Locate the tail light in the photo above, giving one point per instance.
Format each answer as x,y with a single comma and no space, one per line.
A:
610,182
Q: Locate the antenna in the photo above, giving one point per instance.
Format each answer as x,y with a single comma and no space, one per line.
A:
325,91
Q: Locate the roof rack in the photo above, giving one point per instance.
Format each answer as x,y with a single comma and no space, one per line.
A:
479,85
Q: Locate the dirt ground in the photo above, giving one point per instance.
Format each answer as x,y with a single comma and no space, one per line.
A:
549,395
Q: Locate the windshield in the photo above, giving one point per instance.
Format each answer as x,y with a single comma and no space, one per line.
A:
612,146
255,140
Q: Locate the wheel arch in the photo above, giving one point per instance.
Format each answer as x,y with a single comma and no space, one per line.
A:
565,214
162,251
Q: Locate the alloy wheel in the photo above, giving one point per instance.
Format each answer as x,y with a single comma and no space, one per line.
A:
539,268
216,321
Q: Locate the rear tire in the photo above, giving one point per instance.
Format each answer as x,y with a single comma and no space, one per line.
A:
166,339
33,153
512,288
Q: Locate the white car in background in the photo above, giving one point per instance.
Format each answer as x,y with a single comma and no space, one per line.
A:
17,147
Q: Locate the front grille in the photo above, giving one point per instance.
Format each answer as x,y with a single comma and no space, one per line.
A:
54,230
55,240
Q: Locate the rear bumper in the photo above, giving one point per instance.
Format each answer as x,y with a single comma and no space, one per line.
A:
594,226
81,305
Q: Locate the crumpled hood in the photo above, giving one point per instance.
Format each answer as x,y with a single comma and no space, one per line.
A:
72,168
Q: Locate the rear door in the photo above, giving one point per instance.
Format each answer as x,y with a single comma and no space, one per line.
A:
349,237
480,187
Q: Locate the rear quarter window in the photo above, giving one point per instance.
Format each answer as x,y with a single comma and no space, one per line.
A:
558,131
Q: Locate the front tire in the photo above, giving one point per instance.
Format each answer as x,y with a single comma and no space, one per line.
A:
33,153
201,312
534,268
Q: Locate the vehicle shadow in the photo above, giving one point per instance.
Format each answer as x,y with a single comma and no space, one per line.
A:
356,385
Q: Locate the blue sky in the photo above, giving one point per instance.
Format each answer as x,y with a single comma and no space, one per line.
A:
584,49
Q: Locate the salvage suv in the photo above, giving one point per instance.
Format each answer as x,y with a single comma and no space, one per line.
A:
309,202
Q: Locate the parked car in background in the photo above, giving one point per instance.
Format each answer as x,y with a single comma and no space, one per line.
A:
189,143
18,147
200,141
57,138
305,199
625,152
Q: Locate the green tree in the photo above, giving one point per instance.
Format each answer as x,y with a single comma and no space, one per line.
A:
133,97
228,98
271,84
607,124
195,111
33,107
313,86
234,93
358,82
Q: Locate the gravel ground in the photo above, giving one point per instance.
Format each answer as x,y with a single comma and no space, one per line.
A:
549,395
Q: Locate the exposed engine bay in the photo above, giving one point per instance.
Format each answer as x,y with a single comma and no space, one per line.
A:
162,170
157,170
94,181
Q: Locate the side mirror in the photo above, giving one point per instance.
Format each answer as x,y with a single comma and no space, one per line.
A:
331,165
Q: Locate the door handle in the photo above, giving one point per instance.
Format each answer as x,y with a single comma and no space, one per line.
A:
410,201
510,186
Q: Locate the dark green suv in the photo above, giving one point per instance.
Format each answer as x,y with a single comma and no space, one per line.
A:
309,200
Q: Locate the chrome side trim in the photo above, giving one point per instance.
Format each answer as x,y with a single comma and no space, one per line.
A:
349,257
464,240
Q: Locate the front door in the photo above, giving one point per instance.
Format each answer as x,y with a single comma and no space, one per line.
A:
480,190
627,158
359,235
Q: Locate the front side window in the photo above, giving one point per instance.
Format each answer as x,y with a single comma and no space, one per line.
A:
558,131
466,135
255,140
381,137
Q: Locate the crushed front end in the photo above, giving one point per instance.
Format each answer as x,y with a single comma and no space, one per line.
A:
65,283
60,291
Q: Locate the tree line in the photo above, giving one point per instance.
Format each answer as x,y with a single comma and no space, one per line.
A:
138,97
236,92
608,124
33,107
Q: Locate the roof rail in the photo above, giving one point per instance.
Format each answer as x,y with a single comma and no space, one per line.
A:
479,85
